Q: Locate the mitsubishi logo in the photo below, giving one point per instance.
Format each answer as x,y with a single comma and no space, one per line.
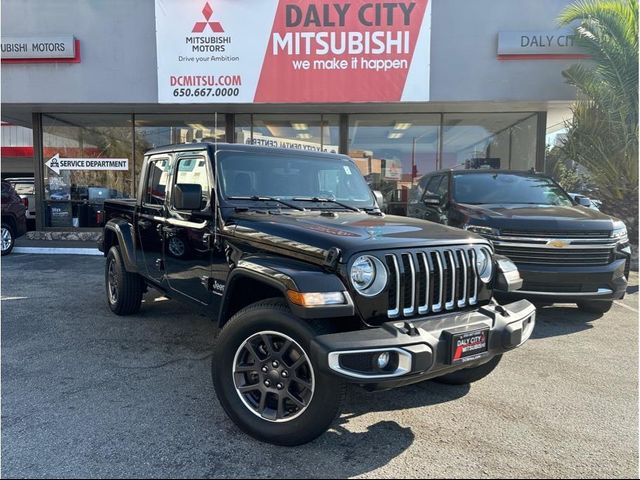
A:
199,27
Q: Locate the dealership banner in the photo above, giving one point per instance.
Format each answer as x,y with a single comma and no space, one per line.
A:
292,51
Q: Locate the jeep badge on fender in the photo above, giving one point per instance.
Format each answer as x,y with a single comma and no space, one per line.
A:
310,286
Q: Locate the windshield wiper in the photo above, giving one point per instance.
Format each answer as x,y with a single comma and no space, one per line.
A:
256,198
326,200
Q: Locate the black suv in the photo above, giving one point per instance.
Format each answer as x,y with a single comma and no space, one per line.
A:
565,252
309,283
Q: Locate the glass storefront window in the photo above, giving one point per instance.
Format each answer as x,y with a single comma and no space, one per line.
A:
88,158
303,132
393,152
502,140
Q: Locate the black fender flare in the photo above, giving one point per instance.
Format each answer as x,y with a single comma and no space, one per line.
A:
288,274
124,235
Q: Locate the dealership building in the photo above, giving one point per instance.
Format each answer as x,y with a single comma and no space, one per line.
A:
403,87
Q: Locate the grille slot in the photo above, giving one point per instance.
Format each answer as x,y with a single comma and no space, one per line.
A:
590,234
431,281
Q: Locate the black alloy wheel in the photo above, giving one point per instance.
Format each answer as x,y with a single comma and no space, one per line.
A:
273,376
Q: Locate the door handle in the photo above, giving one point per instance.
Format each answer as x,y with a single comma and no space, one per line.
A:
160,228
206,240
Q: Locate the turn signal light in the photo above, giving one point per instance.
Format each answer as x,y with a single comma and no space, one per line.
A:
316,299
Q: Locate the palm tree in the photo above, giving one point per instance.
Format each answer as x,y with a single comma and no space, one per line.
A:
603,134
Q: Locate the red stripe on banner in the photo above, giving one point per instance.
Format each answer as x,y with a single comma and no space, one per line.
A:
75,59
16,151
546,56
72,152
319,73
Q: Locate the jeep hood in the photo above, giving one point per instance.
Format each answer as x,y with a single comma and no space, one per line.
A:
314,233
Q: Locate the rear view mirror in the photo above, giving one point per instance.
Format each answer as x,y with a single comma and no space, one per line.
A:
187,196
432,200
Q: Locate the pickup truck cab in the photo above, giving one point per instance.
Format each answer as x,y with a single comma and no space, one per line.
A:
310,285
565,252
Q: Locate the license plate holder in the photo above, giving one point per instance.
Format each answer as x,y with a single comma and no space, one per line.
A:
467,346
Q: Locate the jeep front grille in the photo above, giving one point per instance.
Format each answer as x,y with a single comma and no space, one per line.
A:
431,281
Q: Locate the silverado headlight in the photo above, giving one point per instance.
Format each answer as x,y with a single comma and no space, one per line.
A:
484,264
480,230
619,232
368,275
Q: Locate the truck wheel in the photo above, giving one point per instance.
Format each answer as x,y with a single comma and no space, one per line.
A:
8,239
595,306
266,381
470,375
124,289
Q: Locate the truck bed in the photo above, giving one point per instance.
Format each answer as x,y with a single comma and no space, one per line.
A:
120,207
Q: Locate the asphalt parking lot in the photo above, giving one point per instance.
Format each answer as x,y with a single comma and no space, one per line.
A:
89,394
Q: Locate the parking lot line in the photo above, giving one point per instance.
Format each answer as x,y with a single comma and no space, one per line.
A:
626,306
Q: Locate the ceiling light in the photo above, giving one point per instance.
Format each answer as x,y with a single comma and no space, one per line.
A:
300,126
197,126
395,135
304,135
402,126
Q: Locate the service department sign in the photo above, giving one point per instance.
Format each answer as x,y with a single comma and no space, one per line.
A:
292,51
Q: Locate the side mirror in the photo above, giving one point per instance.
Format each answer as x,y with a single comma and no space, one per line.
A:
432,200
379,198
584,201
187,196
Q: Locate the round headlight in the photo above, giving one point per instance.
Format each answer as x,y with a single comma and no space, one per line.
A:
362,273
484,264
368,275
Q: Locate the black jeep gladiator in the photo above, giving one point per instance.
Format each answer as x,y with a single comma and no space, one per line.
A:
310,285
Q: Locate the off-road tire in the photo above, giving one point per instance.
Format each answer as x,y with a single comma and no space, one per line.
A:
126,297
273,315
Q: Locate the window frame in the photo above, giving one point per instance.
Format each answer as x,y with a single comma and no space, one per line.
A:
435,176
145,184
174,177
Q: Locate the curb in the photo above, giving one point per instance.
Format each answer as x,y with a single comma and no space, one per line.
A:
57,251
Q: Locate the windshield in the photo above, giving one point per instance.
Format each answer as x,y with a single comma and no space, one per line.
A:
507,188
292,178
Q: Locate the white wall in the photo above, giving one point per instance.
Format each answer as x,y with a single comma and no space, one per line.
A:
118,52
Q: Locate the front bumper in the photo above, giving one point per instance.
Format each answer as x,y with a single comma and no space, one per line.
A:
571,284
423,347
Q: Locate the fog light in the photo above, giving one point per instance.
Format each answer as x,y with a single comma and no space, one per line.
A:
383,360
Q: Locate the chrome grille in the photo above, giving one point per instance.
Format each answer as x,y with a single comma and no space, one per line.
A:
586,248
559,234
431,281
560,257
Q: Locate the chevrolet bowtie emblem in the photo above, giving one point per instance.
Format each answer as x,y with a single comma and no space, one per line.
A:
558,243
